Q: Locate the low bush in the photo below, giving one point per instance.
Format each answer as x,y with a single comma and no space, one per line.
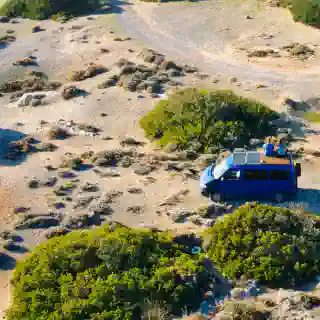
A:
207,119
307,11
243,310
312,116
57,132
42,9
106,274
271,244
61,16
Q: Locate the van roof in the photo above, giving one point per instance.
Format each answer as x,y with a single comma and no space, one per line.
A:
240,157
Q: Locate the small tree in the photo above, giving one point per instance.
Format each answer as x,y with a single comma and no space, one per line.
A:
209,118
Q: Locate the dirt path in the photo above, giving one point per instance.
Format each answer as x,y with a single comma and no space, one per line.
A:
181,31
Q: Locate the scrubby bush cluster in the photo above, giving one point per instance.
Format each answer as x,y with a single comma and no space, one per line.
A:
266,243
112,272
106,274
42,9
307,11
216,119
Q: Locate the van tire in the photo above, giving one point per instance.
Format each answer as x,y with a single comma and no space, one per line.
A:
279,197
216,197
204,192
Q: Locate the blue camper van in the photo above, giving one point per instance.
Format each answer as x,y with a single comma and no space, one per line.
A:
244,175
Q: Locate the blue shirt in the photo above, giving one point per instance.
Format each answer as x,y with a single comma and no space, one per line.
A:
204,308
281,149
208,306
268,149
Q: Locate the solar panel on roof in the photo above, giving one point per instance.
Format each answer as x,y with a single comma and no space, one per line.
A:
239,158
247,157
239,150
253,157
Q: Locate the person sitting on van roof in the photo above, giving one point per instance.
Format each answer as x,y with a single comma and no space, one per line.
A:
268,147
281,148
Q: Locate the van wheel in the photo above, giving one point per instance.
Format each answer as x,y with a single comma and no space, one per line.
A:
205,192
279,197
216,197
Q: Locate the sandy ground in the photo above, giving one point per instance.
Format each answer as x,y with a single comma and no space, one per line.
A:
209,34
206,34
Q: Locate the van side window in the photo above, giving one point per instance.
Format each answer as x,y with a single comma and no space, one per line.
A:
255,174
232,175
279,175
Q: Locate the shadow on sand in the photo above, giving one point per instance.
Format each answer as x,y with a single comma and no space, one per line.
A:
298,110
6,262
110,7
7,136
15,248
84,167
4,45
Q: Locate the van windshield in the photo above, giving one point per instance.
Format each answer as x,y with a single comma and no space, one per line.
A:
221,168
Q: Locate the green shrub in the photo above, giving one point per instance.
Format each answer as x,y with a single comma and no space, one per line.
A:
42,9
106,274
207,118
61,16
312,116
307,11
267,243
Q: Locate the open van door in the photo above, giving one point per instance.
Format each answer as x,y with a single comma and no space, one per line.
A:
298,169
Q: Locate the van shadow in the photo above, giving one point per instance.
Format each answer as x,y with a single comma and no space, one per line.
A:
306,200
7,136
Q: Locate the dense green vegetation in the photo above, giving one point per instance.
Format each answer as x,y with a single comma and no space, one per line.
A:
113,272
106,274
42,9
202,120
307,11
266,243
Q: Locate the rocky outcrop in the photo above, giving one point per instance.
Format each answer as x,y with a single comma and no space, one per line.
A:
32,84
56,232
36,221
90,72
137,77
81,220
